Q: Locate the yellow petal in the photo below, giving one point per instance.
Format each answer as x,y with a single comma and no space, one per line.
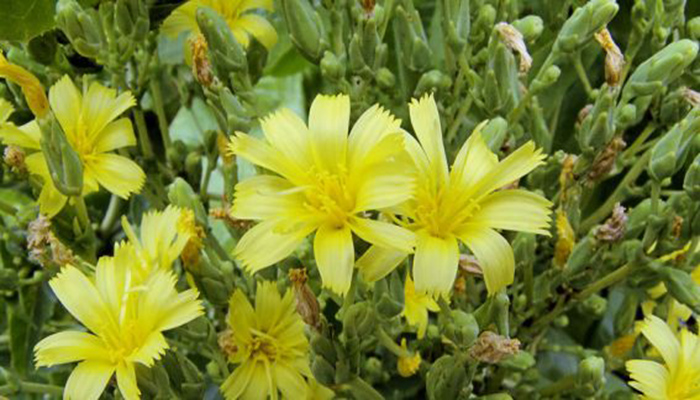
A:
383,234
416,307
163,308
241,315
259,28
115,135
516,165
117,174
152,349
265,245
426,124
88,380
266,196
289,381
260,386
101,106
335,257
384,186
183,19
235,385
663,339
373,126
126,380
515,210
649,377
27,136
80,297
69,346
328,122
494,254
378,262
31,87
241,35
253,4
473,161
264,155
287,133
435,263
66,102
51,201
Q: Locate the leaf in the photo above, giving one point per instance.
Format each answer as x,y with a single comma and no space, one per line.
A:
24,19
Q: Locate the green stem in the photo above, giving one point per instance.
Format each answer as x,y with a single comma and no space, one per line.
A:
362,390
635,146
602,283
111,215
142,131
457,122
6,208
564,384
159,108
81,210
581,72
30,387
618,195
389,343
211,166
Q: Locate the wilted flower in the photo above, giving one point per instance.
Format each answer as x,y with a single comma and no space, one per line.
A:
614,59
325,182
614,227
605,161
239,15
464,204
268,345
31,87
416,307
566,238
408,365
90,123
679,376
44,247
307,304
126,321
514,40
493,348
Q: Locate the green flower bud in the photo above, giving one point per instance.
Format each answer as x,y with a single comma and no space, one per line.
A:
305,28
494,133
583,23
180,193
626,115
385,78
590,377
322,347
389,296
682,287
501,87
669,153
520,361
359,320
460,327
485,19
236,115
323,371
531,27
193,167
64,164
599,127
626,314
693,28
82,27
132,19
691,183
594,305
433,80
412,39
456,23
497,396
332,68
446,378
582,255
550,76
215,291
226,54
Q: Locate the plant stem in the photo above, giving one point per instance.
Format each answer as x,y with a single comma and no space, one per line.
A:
142,131
81,210
602,283
159,108
581,72
362,390
564,384
30,387
111,215
389,343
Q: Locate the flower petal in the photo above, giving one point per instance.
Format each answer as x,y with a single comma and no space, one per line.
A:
329,118
515,210
265,244
664,340
372,127
242,315
426,124
649,377
80,297
126,380
259,27
253,4
66,103
384,186
288,133
27,136
290,382
152,349
69,346
378,262
235,385
494,254
335,257
183,19
117,174
435,263
88,380
101,106
383,234
265,197
473,161
116,135
266,156
516,165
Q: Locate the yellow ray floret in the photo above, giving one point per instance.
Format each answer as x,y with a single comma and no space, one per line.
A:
678,377
416,307
125,322
465,204
325,180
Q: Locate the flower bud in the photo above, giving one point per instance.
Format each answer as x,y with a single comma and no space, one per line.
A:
433,80
180,193
332,68
13,156
691,183
583,23
693,28
307,304
456,23
225,53
594,305
514,40
550,76
598,128
493,348
385,78
494,133
670,151
323,371
682,287
614,59
417,55
566,238
581,256
590,377
521,361
82,27
389,296
131,17
323,347
460,327
359,320
530,26
446,378
64,164
305,28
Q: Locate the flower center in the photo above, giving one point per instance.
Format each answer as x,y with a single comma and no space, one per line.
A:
263,346
440,215
331,196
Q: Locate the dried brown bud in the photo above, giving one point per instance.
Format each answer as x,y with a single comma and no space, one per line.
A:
605,161
677,226
585,111
614,60
513,39
470,264
614,227
187,225
226,343
566,238
14,157
307,304
692,97
493,348
44,248
201,68
566,175
460,286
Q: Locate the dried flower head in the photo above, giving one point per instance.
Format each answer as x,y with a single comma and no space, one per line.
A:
201,68
306,302
614,60
44,247
566,238
492,348
514,40
692,97
14,158
605,161
614,227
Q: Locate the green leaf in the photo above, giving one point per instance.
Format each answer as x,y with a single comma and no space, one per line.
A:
25,19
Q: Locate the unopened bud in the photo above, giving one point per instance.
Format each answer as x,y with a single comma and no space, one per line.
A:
82,27
331,68
668,153
460,327
514,40
565,239
583,23
307,304
446,378
433,80
359,320
494,133
531,27
594,305
614,227
691,183
64,163
14,158
591,375
305,28
180,194
225,53
493,348
682,287
201,69
385,78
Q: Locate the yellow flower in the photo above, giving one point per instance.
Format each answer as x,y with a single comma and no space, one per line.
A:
464,204
31,87
125,320
408,365
237,13
160,241
269,345
416,307
90,123
326,181
678,378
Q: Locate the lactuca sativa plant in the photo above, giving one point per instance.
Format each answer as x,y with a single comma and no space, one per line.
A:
449,199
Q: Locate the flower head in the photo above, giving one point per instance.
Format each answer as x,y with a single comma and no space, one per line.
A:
408,365
268,344
465,204
678,378
237,13
324,182
416,307
89,120
125,319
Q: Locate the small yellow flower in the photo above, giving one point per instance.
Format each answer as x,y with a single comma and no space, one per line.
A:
126,321
466,204
162,237
31,87
237,13
416,307
325,182
408,365
269,346
90,123
678,378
